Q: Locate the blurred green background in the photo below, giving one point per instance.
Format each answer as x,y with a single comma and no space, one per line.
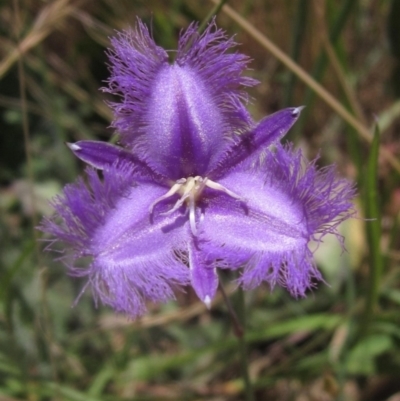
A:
340,343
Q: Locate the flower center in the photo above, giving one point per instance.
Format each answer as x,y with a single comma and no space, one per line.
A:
190,190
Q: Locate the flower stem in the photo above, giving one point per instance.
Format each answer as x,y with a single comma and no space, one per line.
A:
243,346
239,327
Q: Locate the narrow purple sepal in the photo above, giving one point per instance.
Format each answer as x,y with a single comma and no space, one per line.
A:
251,145
274,127
204,278
101,155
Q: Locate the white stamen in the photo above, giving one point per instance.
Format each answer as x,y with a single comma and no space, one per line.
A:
178,204
174,189
203,183
219,187
190,183
190,190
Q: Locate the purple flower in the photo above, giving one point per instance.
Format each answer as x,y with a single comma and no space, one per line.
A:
196,185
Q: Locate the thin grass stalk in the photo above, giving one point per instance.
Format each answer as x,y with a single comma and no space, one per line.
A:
42,322
244,362
347,89
372,211
42,27
25,122
326,96
351,101
297,41
239,329
216,9
389,117
393,236
214,12
322,61
351,311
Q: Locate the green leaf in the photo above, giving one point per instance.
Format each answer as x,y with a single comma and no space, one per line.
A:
362,357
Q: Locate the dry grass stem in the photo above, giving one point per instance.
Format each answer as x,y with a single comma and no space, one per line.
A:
45,22
330,100
320,12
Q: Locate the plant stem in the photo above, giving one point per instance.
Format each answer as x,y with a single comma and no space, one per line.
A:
243,346
239,329
297,41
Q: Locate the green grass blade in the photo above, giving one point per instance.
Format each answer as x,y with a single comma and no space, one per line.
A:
211,14
322,61
297,40
372,211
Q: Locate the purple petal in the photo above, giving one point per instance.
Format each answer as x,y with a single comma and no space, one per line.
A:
188,112
288,204
101,155
204,278
192,125
135,62
250,146
133,256
207,55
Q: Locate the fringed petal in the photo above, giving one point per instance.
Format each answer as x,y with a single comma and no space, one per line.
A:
192,125
135,62
81,209
198,99
289,202
207,55
133,254
326,198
